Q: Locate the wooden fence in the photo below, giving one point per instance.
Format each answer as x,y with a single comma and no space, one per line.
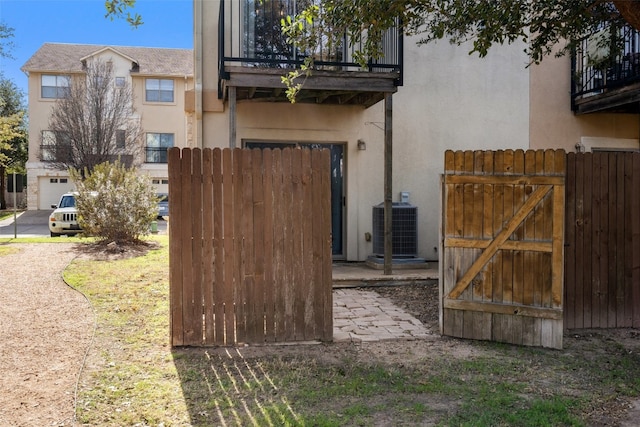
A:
250,246
602,270
503,230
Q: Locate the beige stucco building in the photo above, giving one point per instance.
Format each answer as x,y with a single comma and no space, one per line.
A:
445,99
159,79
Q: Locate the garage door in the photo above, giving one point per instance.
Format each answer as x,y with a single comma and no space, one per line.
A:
50,189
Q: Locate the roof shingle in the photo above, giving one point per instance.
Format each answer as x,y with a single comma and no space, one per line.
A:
66,58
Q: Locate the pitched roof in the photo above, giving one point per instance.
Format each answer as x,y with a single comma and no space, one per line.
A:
67,58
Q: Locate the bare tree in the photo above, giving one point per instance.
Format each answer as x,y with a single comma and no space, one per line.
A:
93,122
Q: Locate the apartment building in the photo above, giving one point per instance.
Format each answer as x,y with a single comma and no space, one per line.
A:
160,79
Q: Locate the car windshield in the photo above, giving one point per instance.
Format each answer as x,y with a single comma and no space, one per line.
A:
67,202
164,198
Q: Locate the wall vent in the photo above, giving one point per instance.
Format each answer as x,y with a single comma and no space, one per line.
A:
404,230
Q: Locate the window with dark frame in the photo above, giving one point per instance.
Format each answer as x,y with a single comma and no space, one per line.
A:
156,147
55,146
120,139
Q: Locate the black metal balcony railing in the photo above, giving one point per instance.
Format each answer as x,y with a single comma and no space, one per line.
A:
155,154
593,73
250,35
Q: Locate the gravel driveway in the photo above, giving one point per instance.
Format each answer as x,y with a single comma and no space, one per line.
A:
45,330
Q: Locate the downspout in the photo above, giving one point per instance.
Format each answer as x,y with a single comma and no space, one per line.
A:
197,62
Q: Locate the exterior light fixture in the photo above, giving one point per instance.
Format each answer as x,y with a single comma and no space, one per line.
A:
362,145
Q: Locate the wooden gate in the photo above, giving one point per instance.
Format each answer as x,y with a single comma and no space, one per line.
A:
502,270
249,246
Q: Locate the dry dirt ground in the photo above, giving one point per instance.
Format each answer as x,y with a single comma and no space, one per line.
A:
46,329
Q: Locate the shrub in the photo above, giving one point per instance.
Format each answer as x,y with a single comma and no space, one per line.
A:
115,203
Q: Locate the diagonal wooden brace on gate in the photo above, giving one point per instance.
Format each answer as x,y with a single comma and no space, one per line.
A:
500,239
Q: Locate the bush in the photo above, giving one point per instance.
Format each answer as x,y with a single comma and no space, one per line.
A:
114,203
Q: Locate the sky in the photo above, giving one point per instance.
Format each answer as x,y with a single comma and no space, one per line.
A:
167,23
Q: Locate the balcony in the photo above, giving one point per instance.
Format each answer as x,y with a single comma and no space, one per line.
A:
253,56
600,85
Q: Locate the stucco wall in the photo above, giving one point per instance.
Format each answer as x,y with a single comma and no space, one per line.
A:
449,100
553,124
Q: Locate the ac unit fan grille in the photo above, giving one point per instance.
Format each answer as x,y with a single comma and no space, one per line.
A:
404,235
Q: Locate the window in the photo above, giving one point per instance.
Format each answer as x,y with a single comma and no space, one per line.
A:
54,86
120,138
55,146
156,149
120,81
159,90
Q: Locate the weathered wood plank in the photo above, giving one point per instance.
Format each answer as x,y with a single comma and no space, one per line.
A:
218,284
269,254
187,252
635,239
628,196
228,217
613,239
279,269
208,263
288,258
557,266
258,201
327,283
587,292
498,223
306,217
516,179
296,240
515,310
596,249
578,225
175,236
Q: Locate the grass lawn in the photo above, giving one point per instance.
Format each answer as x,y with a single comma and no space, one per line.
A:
133,377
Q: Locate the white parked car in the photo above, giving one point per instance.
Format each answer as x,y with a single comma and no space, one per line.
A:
64,218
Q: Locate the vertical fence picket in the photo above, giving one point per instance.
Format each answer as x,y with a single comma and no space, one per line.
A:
269,254
239,287
325,263
306,220
247,254
635,239
175,234
288,257
296,236
207,264
218,285
228,217
596,249
279,262
196,245
258,246
187,250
